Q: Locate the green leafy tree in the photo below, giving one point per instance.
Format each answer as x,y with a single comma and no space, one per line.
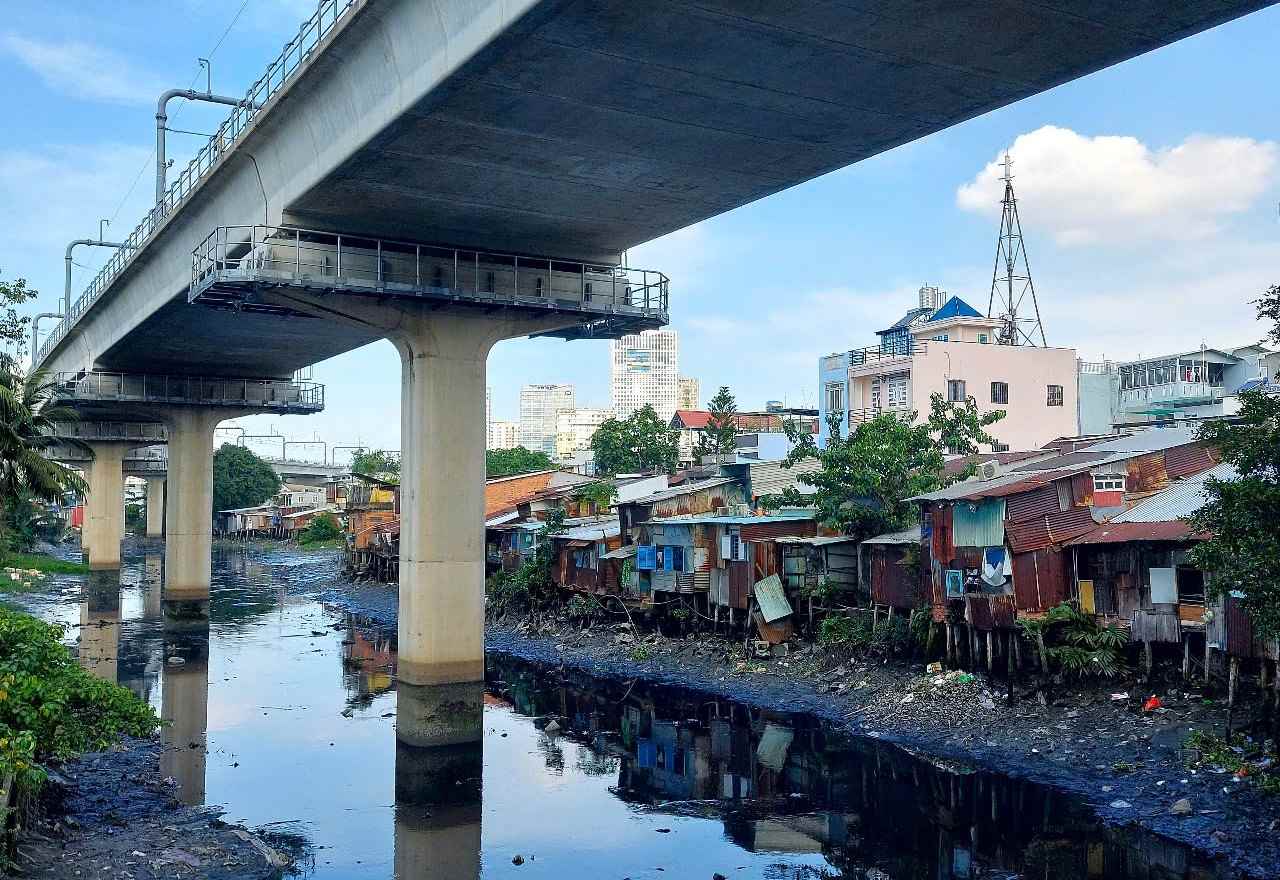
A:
865,478
376,463
13,326
1242,553
722,427
28,411
640,442
958,427
517,460
323,527
241,479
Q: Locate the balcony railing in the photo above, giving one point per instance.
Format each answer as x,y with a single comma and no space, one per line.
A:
858,416
279,73
233,260
126,431
268,394
1172,394
861,357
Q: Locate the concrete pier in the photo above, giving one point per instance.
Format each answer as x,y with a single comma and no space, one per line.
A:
441,627
189,513
104,506
155,507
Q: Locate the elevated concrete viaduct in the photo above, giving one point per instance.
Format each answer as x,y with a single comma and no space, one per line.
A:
451,173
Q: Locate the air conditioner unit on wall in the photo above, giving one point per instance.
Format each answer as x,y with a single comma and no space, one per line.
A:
988,470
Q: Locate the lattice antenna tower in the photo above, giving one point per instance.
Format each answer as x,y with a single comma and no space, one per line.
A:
1011,284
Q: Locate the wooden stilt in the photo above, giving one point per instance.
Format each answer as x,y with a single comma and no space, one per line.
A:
1207,657
1232,675
1186,658
1146,661
1017,650
951,643
973,646
991,652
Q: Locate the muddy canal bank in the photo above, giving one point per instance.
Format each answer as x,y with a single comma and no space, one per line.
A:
116,814
1128,765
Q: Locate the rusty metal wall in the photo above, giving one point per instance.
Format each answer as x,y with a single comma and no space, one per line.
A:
1029,505
892,583
1040,579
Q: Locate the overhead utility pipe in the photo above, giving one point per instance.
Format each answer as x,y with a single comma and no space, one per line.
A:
35,330
88,242
162,119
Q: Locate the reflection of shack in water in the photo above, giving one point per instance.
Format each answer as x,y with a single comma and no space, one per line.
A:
791,784
368,659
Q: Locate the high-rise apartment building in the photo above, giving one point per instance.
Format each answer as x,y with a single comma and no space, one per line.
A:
687,393
645,370
574,430
540,407
504,435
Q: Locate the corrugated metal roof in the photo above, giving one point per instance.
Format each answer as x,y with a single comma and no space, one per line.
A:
771,478
1067,459
624,552
823,540
685,489
1150,440
908,536
1120,533
1001,486
1183,498
711,518
772,599
594,532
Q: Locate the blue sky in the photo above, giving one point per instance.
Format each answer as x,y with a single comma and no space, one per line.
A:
1148,195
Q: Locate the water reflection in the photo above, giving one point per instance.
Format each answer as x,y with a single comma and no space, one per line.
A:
286,710
100,623
185,711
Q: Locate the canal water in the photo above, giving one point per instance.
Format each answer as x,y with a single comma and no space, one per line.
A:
282,717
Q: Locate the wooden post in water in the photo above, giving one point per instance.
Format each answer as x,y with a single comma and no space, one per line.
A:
1232,675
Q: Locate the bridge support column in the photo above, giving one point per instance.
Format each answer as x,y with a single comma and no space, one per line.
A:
442,472
155,507
189,514
104,508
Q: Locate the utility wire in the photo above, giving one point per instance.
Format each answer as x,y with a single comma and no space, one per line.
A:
151,156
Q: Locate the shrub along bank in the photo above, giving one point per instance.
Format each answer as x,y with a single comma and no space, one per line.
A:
51,710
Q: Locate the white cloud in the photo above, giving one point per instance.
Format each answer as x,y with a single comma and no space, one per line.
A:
1088,190
84,71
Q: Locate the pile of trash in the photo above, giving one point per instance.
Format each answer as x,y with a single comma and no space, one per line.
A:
23,576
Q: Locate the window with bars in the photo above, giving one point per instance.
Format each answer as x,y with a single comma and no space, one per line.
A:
955,391
999,392
1055,395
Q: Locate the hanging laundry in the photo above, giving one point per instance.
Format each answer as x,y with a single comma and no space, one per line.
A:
994,566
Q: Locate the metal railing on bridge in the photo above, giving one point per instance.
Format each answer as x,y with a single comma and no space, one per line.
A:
236,260
269,394
152,432
311,34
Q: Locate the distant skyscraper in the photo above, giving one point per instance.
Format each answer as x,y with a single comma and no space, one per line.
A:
575,428
687,394
645,370
539,407
488,418
504,435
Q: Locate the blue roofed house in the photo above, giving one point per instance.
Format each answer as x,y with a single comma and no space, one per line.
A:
944,345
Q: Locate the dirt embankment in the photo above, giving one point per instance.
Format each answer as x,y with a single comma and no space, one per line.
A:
113,814
1128,763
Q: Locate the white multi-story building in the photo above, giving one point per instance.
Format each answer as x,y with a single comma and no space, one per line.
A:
951,349
687,393
645,370
488,418
540,407
504,435
574,430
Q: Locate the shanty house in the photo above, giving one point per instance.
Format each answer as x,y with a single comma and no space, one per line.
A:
686,499
580,553
995,547
894,570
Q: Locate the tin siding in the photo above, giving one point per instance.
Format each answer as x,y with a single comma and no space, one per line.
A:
764,530
1039,580
982,526
1029,505
891,582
